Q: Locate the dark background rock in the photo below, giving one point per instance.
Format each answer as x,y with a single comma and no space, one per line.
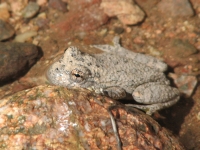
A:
6,30
16,59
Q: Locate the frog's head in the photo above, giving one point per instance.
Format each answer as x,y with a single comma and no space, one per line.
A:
71,69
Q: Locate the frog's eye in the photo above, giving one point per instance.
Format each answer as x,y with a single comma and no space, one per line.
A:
77,75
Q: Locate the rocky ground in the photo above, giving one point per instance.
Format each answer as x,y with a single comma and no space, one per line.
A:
168,30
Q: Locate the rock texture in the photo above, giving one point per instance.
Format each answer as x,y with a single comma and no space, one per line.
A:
176,8
48,117
16,58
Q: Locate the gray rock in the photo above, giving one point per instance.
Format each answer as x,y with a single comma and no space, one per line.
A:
30,10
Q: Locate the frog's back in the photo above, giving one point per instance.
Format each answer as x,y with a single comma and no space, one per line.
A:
124,72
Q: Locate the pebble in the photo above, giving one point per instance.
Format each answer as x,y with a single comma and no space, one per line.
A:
153,51
176,8
119,30
25,36
185,83
30,10
17,6
103,32
58,4
182,48
16,59
126,11
4,12
41,2
6,30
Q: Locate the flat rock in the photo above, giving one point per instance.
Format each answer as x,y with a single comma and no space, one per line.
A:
16,58
6,30
176,8
50,117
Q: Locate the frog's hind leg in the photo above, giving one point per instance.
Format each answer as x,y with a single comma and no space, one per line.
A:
150,109
154,96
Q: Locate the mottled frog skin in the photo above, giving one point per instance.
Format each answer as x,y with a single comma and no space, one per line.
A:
117,73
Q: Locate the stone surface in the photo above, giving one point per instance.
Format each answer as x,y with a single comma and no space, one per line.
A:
6,30
181,48
25,36
183,56
125,10
58,4
4,11
47,117
16,59
30,10
185,83
176,8
82,16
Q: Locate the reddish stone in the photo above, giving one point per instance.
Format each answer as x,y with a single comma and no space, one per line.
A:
85,17
58,4
55,118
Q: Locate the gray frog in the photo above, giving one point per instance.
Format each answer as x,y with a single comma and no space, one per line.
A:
117,73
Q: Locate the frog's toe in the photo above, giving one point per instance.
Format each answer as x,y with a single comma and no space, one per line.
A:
152,93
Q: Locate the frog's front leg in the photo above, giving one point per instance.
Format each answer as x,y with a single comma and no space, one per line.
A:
156,96
115,92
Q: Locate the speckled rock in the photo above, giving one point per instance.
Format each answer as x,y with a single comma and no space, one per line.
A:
6,30
16,59
176,8
48,117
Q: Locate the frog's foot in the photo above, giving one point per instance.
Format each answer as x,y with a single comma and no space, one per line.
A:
156,96
115,92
